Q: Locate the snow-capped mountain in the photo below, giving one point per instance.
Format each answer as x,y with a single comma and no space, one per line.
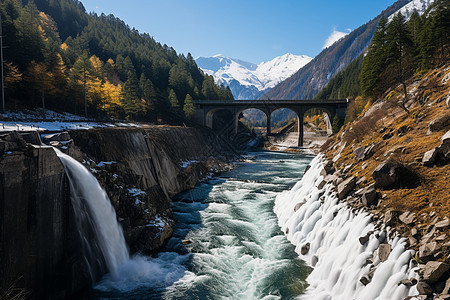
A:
247,80
415,5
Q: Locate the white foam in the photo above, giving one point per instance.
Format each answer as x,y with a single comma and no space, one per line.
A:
333,232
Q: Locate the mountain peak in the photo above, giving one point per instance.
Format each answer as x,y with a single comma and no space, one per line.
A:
254,79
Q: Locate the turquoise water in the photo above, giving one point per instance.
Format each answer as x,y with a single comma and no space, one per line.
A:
226,244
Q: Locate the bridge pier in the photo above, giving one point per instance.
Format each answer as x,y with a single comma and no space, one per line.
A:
269,120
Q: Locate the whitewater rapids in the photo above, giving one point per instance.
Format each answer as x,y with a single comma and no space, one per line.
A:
332,231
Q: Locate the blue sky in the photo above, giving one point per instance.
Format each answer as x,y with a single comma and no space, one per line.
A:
251,30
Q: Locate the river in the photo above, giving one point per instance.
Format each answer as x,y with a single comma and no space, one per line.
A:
227,243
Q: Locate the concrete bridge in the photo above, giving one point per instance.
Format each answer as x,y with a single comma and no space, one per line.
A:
207,111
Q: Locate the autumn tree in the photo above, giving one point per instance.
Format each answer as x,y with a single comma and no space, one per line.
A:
40,79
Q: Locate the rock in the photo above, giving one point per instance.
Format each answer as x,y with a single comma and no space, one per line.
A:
329,168
388,216
434,270
427,250
365,280
442,224
447,287
414,232
306,169
369,196
321,184
392,174
61,136
441,238
31,137
424,288
331,178
314,260
359,153
412,241
186,242
445,146
369,151
407,217
383,251
345,187
305,249
408,282
297,206
364,239
429,157
440,123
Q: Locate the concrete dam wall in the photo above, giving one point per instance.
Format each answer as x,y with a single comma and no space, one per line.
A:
40,248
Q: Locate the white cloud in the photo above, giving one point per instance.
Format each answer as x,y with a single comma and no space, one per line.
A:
335,36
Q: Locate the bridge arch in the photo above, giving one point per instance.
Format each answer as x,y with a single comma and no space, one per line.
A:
220,115
328,114
261,112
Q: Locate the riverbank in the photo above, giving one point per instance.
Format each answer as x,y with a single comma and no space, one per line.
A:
393,166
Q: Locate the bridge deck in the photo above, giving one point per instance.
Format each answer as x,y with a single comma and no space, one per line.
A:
269,102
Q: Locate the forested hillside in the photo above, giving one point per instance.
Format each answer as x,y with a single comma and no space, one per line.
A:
400,50
58,56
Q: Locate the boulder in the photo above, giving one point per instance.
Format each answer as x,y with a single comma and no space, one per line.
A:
369,196
345,187
440,123
359,153
305,249
427,250
434,270
424,288
429,158
383,251
407,217
392,174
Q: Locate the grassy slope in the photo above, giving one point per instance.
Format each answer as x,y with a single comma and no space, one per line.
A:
431,199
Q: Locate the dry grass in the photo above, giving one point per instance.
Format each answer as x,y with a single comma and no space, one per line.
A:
408,144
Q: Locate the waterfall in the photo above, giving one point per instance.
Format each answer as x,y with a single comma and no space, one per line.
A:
92,202
314,218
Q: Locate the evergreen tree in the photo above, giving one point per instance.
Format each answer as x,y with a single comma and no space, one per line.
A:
174,104
400,58
130,95
375,61
189,108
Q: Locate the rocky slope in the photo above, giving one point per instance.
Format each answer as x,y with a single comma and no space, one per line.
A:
395,164
140,169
